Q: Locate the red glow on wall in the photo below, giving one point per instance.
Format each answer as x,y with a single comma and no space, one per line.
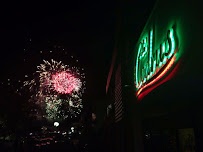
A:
170,76
140,96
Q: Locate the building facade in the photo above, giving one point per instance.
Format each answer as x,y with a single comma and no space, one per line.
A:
155,78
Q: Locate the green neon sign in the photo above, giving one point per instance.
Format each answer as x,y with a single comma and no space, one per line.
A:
150,61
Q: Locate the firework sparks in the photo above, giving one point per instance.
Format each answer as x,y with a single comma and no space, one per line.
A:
65,83
58,89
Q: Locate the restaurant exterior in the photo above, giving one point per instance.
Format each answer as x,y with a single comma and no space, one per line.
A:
155,81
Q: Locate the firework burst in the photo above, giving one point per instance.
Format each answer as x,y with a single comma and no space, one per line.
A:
58,89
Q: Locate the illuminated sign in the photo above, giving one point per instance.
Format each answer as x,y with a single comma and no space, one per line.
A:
152,63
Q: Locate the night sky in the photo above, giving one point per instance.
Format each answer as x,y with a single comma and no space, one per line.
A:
84,29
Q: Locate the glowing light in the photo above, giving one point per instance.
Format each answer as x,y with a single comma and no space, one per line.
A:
72,129
149,89
56,124
163,52
159,76
150,55
172,43
137,64
148,64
